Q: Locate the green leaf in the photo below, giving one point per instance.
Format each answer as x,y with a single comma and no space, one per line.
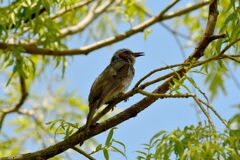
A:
199,72
10,79
109,137
46,5
160,133
141,152
146,33
219,46
229,19
106,154
119,151
98,148
120,143
13,17
186,87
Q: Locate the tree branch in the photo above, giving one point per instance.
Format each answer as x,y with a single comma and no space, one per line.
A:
174,32
33,49
24,95
229,45
217,36
215,112
197,100
83,153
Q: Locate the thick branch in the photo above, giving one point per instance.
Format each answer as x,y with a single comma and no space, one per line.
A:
206,39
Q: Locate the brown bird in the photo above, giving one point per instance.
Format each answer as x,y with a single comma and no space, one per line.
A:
112,82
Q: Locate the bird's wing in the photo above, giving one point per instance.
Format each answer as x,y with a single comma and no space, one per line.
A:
110,81
102,81
119,82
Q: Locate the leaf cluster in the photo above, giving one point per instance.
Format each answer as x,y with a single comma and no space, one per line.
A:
192,142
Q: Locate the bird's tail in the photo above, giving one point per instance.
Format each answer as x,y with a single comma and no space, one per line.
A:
89,119
92,110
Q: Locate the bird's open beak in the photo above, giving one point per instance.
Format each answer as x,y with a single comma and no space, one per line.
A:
138,54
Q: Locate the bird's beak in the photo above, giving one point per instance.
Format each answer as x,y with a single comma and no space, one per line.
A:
138,54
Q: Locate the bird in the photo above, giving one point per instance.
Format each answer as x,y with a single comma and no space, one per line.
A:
112,82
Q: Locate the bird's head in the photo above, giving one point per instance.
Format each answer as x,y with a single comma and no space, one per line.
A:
126,55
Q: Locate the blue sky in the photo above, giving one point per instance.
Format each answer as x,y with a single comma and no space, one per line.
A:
166,114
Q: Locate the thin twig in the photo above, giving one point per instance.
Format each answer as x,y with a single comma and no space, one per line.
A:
181,12
205,112
146,84
71,8
180,46
198,101
156,70
169,7
164,95
215,112
217,36
174,32
83,153
233,58
229,46
193,65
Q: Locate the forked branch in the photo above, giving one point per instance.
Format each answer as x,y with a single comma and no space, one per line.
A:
24,95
